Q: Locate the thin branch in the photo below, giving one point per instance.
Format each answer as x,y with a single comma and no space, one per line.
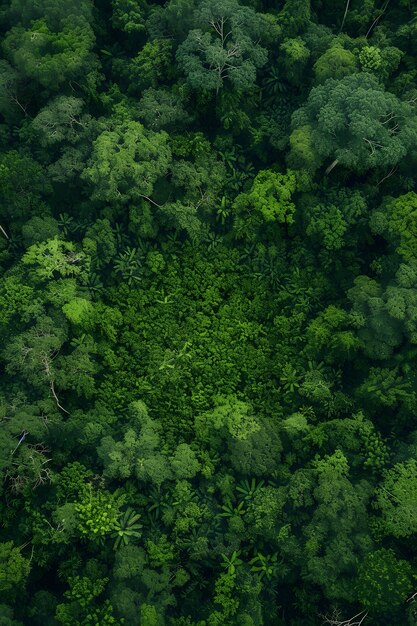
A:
16,101
389,117
372,144
56,398
218,27
394,130
393,170
392,495
160,206
21,440
331,166
335,620
4,232
376,20
344,17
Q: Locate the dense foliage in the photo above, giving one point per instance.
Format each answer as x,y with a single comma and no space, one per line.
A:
208,311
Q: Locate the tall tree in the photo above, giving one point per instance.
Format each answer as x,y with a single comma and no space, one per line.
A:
222,48
355,123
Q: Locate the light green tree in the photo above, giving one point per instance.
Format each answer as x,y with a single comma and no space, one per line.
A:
184,462
396,500
396,221
336,62
293,59
98,513
126,162
270,196
230,417
55,258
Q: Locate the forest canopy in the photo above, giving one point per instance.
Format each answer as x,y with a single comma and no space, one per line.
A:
208,312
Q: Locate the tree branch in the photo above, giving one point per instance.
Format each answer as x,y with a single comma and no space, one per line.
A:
160,206
372,144
4,232
335,620
344,16
56,398
393,170
331,166
376,20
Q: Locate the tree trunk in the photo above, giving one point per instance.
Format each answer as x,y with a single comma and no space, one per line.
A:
344,17
331,166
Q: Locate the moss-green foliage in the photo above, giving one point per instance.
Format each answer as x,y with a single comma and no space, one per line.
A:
208,313
14,568
97,514
270,196
394,500
384,581
336,62
81,609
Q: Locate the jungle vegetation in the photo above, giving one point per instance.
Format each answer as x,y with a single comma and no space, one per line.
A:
208,312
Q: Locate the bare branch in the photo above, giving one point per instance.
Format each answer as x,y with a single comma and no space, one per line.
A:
43,477
4,232
394,130
16,101
160,206
21,440
390,173
389,117
335,620
331,166
345,14
372,144
56,398
376,20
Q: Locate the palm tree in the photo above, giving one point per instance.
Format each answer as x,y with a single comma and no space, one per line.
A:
247,490
127,529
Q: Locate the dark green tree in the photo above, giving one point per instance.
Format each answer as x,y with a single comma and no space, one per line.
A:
222,47
355,123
